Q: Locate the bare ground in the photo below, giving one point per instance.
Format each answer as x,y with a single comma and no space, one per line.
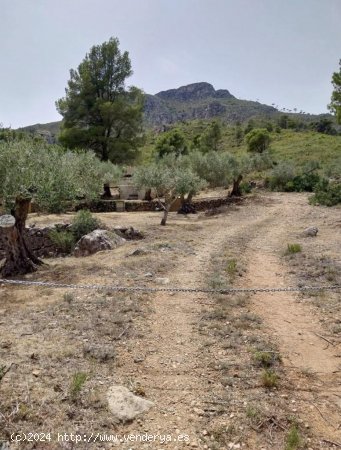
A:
201,359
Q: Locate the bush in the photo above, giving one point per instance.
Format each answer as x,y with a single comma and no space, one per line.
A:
303,183
280,176
84,223
326,193
269,379
64,240
258,140
293,248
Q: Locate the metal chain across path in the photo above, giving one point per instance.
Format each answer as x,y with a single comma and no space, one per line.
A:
169,289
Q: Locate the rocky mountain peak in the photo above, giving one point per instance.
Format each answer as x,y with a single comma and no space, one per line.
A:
194,91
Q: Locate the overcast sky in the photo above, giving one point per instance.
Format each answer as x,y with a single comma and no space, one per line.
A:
276,51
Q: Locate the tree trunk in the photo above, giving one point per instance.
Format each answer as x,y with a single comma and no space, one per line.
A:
148,195
19,258
106,191
165,215
236,191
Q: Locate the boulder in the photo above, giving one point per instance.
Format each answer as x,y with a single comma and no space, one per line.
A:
96,241
311,231
124,405
128,232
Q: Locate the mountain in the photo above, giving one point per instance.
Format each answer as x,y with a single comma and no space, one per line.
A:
200,101
186,103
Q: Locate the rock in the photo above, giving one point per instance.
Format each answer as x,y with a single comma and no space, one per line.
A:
138,252
124,405
101,352
311,231
96,241
162,280
129,233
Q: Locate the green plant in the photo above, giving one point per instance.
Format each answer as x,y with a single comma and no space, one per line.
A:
3,371
84,223
293,248
68,297
293,439
231,267
326,193
64,240
76,385
269,378
264,359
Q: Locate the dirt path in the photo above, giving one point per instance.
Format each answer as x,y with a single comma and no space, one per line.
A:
170,369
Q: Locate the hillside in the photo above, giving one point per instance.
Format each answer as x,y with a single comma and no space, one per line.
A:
188,103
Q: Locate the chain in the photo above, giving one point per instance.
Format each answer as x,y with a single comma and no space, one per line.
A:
170,289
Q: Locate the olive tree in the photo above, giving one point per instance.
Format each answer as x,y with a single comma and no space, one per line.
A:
54,178
169,183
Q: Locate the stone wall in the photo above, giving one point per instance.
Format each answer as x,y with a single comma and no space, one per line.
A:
39,241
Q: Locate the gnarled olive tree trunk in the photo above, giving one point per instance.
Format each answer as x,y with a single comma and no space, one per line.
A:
236,191
19,258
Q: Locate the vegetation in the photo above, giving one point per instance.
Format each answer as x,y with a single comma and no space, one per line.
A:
258,140
171,142
335,104
99,113
168,182
293,248
293,439
55,178
76,385
327,193
269,378
63,240
83,223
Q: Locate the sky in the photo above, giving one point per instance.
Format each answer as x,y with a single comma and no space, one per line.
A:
274,51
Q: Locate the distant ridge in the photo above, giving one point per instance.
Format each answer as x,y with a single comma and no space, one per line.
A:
194,101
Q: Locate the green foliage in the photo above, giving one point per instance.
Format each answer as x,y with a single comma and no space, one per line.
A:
293,439
98,112
84,223
293,248
324,125
76,385
327,193
335,104
258,140
211,138
54,177
269,378
64,240
172,141
266,359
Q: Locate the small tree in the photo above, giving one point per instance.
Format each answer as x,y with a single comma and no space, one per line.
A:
335,104
258,140
211,138
168,182
171,142
53,178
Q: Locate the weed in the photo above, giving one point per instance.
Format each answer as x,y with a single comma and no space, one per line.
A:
293,439
264,359
63,240
3,370
84,223
68,297
293,248
231,267
252,413
269,379
76,385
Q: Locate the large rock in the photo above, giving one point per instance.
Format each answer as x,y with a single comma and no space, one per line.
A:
311,231
124,405
96,241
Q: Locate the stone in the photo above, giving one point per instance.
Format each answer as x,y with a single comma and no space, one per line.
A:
97,241
128,232
124,405
311,231
101,352
138,252
160,280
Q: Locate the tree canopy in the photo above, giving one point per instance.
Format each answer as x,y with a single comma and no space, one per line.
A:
99,112
172,141
258,140
50,174
335,104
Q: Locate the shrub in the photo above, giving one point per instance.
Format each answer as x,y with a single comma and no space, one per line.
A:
76,385
84,223
64,240
269,379
258,140
303,183
326,193
293,439
293,248
280,176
